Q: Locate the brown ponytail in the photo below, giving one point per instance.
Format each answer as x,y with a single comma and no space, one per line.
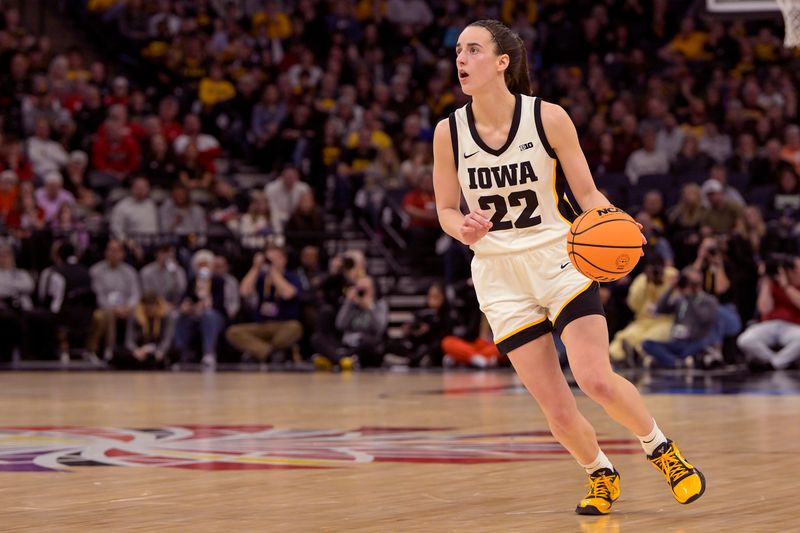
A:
507,42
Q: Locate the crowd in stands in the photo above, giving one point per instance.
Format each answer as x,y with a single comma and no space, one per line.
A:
126,233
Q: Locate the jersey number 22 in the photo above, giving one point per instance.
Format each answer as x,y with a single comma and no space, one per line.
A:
515,199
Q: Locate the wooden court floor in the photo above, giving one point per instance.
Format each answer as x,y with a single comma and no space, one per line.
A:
366,452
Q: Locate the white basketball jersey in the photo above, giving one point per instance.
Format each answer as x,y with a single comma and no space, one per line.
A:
521,184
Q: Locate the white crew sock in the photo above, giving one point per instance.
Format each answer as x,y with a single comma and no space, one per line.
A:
601,461
652,440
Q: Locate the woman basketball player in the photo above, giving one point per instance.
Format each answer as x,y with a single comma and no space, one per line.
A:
510,155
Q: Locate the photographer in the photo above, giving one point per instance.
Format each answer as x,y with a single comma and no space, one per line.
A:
643,296
344,270
273,297
360,325
716,270
779,306
695,318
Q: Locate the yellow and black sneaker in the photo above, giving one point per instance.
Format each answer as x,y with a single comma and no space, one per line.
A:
687,482
603,491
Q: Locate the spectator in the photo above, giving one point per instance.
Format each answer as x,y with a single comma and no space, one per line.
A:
779,306
669,137
135,215
312,277
410,16
643,295
202,311
45,154
745,159
719,172
253,227
192,173
160,166
86,200
768,165
422,337
8,194
284,195
12,157
690,161
656,239
787,195
27,217
268,115
716,145
115,155
215,89
233,301
306,224
790,153
608,158
695,315
653,205
722,215
420,205
647,159
361,323
297,135
116,286
479,352
168,109
273,294
179,216
66,224
207,146
52,195
16,288
165,278
149,333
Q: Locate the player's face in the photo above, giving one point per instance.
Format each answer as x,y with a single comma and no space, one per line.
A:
476,60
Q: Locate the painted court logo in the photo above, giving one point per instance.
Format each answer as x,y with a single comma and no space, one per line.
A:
57,448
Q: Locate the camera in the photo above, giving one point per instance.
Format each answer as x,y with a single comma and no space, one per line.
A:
777,261
361,292
348,263
712,250
683,281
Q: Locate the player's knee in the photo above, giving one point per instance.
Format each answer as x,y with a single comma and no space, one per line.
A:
599,386
562,419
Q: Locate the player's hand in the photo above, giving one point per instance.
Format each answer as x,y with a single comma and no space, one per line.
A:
475,226
644,239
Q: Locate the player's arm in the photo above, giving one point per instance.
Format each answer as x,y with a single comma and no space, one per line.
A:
563,137
467,229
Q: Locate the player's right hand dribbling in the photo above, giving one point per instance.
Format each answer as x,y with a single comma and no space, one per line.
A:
475,226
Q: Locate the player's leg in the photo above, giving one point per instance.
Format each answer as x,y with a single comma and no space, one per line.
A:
537,365
586,339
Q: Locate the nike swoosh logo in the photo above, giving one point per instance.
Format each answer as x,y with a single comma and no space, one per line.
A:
564,265
470,155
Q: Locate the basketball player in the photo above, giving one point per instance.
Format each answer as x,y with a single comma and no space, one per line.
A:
510,155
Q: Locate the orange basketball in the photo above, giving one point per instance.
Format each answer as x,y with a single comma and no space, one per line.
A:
604,243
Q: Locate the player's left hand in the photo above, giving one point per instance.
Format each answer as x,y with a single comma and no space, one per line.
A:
644,239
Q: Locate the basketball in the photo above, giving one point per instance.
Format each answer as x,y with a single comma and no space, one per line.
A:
604,243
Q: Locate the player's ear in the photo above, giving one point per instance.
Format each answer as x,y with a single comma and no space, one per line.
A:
503,60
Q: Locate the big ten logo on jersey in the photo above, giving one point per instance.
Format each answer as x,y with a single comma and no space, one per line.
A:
503,176
523,147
